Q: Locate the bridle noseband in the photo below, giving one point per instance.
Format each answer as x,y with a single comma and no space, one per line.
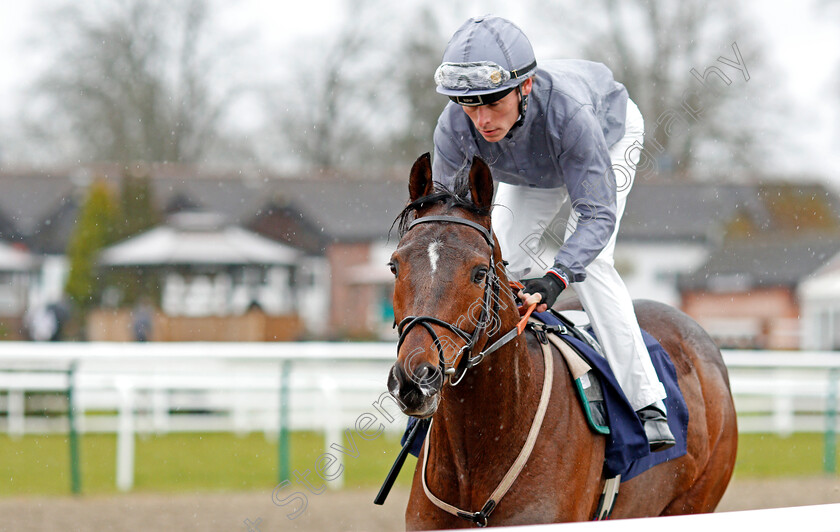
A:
490,301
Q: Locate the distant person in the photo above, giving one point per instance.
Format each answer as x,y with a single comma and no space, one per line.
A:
61,315
142,318
563,130
41,323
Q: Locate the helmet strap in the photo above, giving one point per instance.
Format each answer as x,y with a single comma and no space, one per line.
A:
523,105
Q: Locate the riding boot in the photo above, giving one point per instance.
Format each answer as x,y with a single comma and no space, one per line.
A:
655,421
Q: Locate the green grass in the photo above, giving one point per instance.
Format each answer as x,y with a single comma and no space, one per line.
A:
765,455
38,465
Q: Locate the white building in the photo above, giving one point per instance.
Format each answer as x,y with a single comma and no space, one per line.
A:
16,272
212,268
819,297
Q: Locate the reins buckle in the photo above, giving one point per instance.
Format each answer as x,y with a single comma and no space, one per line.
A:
539,331
480,518
476,360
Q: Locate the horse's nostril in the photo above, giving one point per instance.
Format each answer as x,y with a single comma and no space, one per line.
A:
423,381
419,374
428,379
423,372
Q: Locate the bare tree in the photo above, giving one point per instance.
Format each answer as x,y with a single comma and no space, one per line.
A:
321,120
831,8
134,80
661,51
367,99
414,65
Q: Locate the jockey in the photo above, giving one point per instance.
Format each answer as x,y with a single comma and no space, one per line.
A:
563,130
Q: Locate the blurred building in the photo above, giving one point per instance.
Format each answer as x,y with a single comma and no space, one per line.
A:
736,257
819,294
346,223
17,270
205,267
747,292
338,226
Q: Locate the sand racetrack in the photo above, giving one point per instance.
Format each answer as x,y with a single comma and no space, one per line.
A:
346,510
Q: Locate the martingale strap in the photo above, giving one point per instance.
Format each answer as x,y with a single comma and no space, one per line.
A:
480,517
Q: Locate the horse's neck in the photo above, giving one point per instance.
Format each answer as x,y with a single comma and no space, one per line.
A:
486,416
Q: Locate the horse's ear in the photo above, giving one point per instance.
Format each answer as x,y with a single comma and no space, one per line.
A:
481,183
420,183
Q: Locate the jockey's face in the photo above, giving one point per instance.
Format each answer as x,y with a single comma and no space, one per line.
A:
494,120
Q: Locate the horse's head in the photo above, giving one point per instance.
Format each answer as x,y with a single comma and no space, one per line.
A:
449,278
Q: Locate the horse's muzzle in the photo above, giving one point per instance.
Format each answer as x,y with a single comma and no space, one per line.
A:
417,392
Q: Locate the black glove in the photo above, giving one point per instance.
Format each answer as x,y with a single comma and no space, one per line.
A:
549,287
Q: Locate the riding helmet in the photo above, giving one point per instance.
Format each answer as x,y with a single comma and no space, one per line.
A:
485,59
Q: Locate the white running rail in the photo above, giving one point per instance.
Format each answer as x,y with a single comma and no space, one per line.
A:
129,388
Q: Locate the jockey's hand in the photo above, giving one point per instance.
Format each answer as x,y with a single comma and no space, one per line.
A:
543,291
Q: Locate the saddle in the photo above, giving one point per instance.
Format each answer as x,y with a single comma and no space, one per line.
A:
575,323
627,452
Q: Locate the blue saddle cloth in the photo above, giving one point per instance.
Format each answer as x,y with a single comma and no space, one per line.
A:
627,451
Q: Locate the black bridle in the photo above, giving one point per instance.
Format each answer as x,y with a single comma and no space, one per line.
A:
489,310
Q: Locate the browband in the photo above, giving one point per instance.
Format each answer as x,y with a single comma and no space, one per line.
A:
455,220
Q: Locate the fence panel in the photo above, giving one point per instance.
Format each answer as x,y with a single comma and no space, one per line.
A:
129,388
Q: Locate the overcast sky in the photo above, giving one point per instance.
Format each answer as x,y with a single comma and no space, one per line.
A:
804,45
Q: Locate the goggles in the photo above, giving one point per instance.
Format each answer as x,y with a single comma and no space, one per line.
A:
481,77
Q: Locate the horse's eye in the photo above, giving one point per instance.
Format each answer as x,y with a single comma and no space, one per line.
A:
479,275
393,267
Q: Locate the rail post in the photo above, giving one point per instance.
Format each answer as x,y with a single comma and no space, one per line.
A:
125,436
73,435
830,458
283,450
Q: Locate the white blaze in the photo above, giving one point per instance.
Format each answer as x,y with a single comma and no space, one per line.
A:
433,254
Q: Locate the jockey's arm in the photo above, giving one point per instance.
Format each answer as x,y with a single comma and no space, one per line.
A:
585,162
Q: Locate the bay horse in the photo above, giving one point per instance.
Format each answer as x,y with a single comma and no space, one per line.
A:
446,263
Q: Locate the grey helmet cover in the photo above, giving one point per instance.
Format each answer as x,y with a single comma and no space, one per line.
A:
487,55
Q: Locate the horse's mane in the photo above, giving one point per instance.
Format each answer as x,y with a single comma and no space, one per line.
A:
456,195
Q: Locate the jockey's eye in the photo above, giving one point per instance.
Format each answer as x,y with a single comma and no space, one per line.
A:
479,274
394,269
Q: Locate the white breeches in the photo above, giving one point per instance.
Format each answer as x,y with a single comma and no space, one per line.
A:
522,214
